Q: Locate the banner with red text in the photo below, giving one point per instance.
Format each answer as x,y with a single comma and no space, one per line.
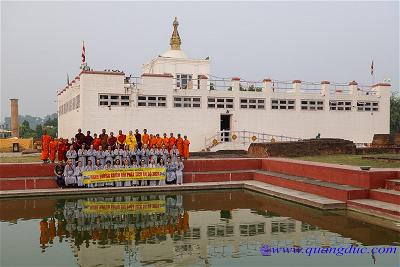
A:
118,175
104,207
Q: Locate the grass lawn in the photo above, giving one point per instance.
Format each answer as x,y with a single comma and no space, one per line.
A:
20,159
354,160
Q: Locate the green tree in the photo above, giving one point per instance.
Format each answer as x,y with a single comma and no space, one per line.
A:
39,131
51,122
25,130
395,113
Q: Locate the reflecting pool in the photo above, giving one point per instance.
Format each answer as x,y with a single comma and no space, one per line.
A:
205,228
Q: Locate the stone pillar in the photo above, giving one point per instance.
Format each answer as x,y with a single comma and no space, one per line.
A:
296,86
236,84
325,88
267,86
14,118
203,81
353,88
325,93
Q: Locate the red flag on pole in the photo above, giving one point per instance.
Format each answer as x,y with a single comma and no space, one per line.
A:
83,53
372,68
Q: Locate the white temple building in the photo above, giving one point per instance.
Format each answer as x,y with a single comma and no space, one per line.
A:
178,94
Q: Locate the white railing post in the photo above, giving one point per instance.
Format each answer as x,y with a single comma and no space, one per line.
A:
235,84
353,88
325,88
296,86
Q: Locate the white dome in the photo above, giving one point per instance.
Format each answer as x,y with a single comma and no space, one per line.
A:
174,54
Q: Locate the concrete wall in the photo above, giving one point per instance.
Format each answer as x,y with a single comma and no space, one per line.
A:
69,122
302,148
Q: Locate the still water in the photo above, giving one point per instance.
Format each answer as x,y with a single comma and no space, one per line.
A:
208,228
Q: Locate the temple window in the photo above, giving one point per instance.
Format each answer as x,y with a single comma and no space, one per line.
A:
367,106
220,102
114,100
184,81
252,103
288,104
312,105
152,101
187,102
340,105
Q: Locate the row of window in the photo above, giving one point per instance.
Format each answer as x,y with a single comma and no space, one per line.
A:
70,105
114,100
228,102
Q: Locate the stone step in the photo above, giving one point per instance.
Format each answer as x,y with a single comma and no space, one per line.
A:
376,208
313,186
393,184
385,195
295,195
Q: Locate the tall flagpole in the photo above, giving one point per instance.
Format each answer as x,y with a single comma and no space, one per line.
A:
372,73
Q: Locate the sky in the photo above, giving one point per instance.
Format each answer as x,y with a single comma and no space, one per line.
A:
312,41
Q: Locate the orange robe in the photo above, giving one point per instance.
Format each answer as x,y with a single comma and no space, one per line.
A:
179,145
171,142
45,146
96,143
44,233
153,141
145,139
52,229
186,144
61,149
121,139
53,150
159,142
166,142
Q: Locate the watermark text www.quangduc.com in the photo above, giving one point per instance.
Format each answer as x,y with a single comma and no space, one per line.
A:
267,250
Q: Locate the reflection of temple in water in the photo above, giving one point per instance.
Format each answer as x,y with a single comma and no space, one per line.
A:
156,230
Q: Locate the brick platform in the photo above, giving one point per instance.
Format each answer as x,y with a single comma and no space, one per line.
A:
335,182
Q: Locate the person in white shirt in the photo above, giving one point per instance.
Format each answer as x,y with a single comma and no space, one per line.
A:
127,166
90,167
179,171
109,153
78,173
108,166
174,153
82,155
161,164
100,155
117,165
98,166
126,155
152,164
91,154
69,170
142,165
71,155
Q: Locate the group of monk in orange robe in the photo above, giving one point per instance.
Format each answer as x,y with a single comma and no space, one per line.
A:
53,147
48,230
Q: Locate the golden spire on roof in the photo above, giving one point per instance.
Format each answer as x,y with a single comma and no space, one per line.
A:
175,40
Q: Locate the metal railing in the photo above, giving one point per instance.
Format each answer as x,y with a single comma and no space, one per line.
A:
188,84
281,87
311,88
220,84
251,86
245,137
133,82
